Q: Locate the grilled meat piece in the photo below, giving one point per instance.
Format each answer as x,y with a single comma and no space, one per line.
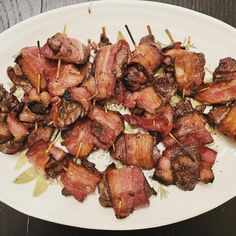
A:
79,181
5,133
136,149
80,135
106,125
189,69
16,75
223,87
124,189
134,77
69,50
148,55
80,95
108,64
70,76
12,146
8,103
33,64
38,156
146,99
42,134
226,71
17,129
161,122
228,125
65,113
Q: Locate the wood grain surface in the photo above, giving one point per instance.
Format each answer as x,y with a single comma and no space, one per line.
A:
220,221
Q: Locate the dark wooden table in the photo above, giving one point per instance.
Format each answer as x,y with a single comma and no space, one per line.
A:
220,221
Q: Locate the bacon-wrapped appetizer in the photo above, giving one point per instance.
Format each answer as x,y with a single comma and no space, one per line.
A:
136,149
69,50
223,87
124,190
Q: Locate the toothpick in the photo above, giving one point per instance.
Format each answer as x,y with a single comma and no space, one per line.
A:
38,83
186,151
59,60
130,35
104,31
64,168
169,35
208,70
149,30
53,142
93,96
79,150
36,125
113,146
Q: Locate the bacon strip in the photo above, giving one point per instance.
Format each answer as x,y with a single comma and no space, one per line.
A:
79,181
82,135
189,69
146,98
127,190
67,49
162,123
106,126
136,149
17,129
33,65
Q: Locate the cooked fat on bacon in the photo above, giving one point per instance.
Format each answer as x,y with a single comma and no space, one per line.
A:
33,65
146,99
224,118
65,113
136,149
106,126
124,190
69,77
189,69
108,64
161,122
148,55
223,87
188,161
69,50
79,181
80,137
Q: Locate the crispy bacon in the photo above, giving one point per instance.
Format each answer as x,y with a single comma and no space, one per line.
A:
226,71
228,125
134,77
146,99
65,113
80,135
148,55
207,160
189,69
108,64
79,181
8,103
217,92
162,122
38,156
69,77
106,125
67,49
136,149
124,189
32,64
16,75
17,129
12,146
5,133
42,134
223,87
79,94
